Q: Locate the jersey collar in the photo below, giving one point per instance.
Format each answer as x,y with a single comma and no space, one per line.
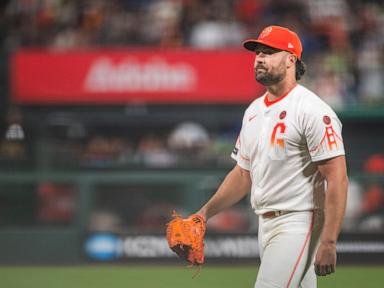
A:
269,103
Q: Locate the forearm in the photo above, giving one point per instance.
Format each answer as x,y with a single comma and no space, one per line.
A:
334,171
235,186
335,202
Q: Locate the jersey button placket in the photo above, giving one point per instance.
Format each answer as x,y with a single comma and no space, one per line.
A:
262,142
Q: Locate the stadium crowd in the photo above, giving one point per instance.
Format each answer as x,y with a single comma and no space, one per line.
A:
343,39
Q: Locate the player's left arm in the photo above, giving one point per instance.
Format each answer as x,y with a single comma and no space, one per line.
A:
335,172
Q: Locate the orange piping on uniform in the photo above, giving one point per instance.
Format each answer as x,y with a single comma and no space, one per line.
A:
302,251
319,145
338,136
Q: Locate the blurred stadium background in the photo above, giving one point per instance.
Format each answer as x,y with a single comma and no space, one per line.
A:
113,113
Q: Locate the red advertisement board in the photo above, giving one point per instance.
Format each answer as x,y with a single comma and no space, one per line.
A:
129,76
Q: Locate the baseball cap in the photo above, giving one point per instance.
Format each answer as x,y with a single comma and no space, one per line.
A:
277,37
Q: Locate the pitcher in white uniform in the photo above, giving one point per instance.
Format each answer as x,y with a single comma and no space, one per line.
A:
290,157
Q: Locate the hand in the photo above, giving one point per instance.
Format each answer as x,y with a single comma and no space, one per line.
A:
202,213
325,262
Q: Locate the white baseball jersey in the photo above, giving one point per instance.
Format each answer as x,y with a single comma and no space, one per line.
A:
279,142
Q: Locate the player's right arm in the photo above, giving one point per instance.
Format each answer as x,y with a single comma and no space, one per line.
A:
237,182
235,186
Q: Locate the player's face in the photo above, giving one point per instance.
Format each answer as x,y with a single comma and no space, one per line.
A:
270,65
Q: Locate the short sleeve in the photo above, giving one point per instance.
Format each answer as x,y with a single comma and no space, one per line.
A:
240,152
323,133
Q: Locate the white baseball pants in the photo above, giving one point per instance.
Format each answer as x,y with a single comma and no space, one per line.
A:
288,245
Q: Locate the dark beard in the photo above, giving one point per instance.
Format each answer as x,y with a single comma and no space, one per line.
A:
268,79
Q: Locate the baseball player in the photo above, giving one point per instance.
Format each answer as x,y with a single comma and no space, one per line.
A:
290,155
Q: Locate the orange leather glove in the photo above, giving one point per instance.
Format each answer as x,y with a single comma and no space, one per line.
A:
186,237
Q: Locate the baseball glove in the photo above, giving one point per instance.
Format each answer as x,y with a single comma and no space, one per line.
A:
186,237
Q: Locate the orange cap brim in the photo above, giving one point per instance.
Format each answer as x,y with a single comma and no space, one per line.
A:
251,45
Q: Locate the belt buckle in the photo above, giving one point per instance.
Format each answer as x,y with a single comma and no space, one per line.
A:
273,214
278,213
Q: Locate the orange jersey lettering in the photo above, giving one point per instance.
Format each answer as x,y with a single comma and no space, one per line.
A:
278,141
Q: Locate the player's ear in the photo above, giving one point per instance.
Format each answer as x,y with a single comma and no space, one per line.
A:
291,60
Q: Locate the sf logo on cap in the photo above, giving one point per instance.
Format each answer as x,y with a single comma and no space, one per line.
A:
265,32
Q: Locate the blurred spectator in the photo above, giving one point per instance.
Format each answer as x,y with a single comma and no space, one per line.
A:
331,19
373,197
105,220
373,200
152,152
370,59
221,145
189,141
375,164
249,11
164,29
56,203
217,27
155,215
332,77
103,152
